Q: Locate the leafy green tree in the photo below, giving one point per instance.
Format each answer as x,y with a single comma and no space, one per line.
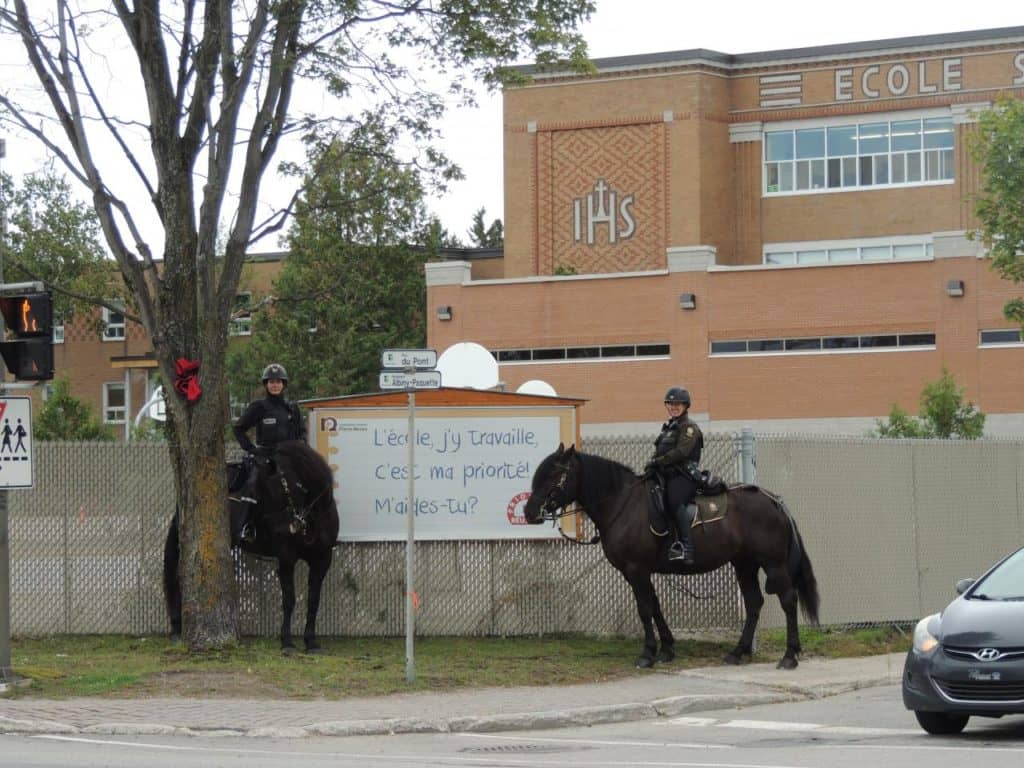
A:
352,284
55,238
195,124
998,146
483,236
944,414
65,417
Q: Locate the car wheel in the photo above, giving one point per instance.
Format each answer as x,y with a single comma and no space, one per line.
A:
941,724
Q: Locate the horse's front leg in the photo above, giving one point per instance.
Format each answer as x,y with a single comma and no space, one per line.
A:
646,600
286,576
317,574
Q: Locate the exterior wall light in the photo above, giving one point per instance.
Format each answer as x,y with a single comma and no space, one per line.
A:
955,288
687,301
444,312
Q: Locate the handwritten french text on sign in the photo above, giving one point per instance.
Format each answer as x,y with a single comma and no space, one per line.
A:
409,358
472,476
15,442
415,380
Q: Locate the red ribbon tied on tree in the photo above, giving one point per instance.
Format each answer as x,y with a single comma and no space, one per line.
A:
186,382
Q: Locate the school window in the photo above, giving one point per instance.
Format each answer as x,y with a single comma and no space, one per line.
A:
908,248
58,327
241,316
1002,336
823,344
875,153
114,406
113,325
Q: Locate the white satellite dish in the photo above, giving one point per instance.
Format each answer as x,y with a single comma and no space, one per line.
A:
536,387
467,364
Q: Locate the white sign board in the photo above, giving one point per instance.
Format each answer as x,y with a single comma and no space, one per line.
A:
415,380
472,474
15,442
409,358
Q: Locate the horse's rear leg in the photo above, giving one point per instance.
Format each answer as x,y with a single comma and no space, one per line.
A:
286,576
778,581
646,604
753,599
172,584
317,573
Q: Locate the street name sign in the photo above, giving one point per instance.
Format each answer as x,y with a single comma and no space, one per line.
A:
409,358
414,380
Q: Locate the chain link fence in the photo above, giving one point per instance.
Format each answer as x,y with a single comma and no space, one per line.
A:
889,526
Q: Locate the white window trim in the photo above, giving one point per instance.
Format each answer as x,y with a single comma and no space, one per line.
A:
107,385
107,326
847,120
859,243
242,326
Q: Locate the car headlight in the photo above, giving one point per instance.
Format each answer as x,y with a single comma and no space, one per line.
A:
925,640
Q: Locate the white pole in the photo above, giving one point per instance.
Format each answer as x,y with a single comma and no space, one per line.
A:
410,558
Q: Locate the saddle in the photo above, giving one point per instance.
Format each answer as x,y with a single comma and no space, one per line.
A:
712,504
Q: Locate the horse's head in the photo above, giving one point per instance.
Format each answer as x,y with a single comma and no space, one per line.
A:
554,485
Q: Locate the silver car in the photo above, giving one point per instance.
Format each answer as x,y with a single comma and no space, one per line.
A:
969,660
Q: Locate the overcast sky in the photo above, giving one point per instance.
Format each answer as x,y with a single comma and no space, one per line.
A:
473,138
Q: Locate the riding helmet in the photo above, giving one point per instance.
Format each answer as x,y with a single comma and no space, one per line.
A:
275,371
678,395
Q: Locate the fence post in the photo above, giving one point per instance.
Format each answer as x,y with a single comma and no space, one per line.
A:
748,470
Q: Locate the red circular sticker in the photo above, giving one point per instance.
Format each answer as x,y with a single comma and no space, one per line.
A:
515,511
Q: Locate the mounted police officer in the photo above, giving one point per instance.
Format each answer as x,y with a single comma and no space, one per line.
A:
676,458
276,419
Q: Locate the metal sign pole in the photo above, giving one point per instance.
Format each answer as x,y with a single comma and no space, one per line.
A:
410,554
6,673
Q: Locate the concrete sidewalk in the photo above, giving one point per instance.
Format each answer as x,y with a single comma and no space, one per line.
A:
659,693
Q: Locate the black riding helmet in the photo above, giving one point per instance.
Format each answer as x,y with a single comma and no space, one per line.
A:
678,395
275,371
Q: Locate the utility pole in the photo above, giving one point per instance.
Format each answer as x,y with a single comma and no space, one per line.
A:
6,673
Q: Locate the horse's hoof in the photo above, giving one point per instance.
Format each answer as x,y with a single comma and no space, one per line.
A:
644,662
287,650
665,655
787,662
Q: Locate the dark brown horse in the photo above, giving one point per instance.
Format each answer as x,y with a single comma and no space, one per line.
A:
298,520
756,533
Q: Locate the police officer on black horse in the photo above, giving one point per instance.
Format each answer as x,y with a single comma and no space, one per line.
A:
276,419
676,458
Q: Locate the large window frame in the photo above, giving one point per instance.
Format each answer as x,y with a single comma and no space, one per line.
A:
853,251
114,325
844,154
115,402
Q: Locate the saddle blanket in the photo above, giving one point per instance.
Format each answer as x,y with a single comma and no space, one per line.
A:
709,509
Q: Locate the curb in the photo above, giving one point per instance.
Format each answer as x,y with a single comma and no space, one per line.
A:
523,721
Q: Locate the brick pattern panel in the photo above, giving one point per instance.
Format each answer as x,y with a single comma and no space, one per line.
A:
631,161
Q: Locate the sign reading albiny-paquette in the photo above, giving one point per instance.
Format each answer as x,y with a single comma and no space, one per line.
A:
472,473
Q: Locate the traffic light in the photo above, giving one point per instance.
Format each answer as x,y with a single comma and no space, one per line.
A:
27,348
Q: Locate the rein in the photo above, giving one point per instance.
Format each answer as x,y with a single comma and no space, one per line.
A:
554,515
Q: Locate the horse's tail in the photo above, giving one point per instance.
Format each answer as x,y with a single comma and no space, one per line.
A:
801,572
172,585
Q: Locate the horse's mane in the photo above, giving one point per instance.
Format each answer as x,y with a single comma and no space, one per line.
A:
307,466
604,476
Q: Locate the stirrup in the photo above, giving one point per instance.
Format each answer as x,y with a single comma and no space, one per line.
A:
248,534
680,551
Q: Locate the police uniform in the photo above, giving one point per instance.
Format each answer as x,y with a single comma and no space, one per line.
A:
276,420
677,452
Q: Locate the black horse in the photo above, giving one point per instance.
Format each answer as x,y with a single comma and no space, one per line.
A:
756,532
298,520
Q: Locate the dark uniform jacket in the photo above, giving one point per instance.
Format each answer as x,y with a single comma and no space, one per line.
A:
679,445
275,420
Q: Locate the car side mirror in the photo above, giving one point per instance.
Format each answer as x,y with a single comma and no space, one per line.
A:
963,585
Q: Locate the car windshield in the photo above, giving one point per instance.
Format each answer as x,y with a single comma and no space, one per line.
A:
1004,583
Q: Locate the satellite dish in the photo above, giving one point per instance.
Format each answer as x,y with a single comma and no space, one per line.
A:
467,364
536,387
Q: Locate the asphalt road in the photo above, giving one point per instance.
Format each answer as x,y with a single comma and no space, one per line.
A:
867,727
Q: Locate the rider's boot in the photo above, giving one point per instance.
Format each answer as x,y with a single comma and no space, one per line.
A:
682,547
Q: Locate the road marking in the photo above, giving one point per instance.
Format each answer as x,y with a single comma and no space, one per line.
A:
792,727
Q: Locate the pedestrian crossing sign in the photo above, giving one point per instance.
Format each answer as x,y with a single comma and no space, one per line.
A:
15,442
